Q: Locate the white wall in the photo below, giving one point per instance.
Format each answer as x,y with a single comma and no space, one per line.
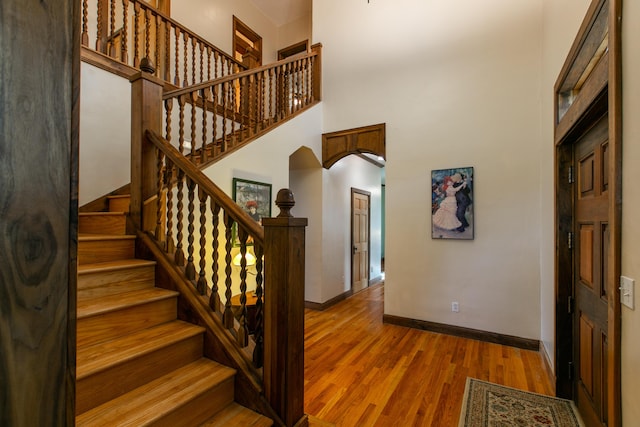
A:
214,22
105,133
457,87
630,209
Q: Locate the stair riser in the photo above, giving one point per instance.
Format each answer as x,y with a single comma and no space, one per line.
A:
96,251
119,204
117,380
102,283
106,326
102,224
200,408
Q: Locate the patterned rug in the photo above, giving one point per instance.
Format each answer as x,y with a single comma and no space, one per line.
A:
491,405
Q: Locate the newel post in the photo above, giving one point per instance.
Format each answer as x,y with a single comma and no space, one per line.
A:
146,113
284,239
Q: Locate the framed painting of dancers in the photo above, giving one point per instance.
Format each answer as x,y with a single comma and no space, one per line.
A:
452,204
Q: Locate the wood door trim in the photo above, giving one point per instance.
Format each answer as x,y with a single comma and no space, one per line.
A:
611,99
368,195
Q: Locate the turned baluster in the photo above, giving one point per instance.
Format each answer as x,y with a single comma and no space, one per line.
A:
193,60
181,103
232,89
201,50
216,60
185,44
214,121
193,97
203,147
168,106
227,316
208,63
112,30
159,234
157,45
308,88
258,335
179,255
202,280
136,35
272,114
85,24
147,35
190,268
177,57
243,331
167,52
251,109
223,146
298,92
263,97
168,181
99,25
256,102
124,43
214,301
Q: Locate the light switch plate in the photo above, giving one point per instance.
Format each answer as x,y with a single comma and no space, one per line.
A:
627,291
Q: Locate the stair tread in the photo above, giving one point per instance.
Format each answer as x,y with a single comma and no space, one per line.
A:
95,306
89,237
109,213
97,357
113,265
157,398
237,415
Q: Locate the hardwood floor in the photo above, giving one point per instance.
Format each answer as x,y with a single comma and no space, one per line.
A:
361,372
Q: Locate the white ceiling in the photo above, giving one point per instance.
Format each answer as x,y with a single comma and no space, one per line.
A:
283,11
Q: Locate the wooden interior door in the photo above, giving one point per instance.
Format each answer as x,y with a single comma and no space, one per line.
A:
360,201
590,322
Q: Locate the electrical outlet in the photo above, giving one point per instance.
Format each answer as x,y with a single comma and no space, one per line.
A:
455,307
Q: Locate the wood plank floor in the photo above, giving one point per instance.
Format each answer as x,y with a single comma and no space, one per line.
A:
361,372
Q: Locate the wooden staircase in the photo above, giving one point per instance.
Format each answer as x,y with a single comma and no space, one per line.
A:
137,365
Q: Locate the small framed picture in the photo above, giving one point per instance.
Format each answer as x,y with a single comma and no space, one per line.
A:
254,197
452,198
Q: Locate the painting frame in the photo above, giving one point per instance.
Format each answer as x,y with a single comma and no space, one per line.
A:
452,204
253,197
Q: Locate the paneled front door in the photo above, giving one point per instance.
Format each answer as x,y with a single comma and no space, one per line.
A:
590,273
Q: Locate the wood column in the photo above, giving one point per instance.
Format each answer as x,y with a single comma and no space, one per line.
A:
284,254
317,72
146,113
39,90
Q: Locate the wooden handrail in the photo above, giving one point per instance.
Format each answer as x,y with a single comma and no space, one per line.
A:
197,87
208,186
209,120
135,33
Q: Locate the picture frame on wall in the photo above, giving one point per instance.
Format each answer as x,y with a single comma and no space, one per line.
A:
254,197
452,200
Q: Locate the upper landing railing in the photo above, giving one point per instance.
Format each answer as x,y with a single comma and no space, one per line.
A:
134,33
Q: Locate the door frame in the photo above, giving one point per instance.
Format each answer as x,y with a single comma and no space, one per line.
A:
599,93
368,195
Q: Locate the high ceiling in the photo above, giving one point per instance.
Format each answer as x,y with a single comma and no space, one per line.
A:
283,11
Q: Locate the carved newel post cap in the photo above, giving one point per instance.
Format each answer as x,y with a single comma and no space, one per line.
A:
285,201
147,65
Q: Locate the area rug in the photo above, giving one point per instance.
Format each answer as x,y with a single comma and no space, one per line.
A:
491,405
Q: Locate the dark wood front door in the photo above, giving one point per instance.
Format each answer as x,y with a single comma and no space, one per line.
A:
591,201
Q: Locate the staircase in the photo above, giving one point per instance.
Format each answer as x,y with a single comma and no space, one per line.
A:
137,365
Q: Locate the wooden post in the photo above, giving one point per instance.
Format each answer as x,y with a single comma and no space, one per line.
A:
146,113
284,238
39,119
317,72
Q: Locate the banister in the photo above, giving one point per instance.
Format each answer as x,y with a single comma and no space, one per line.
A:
194,88
204,183
184,29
